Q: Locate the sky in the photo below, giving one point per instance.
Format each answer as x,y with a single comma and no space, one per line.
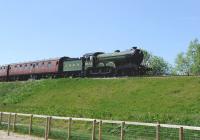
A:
41,29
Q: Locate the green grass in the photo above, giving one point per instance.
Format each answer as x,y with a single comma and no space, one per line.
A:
167,99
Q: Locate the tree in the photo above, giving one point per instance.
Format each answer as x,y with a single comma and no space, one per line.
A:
147,57
189,63
159,65
172,70
193,56
182,64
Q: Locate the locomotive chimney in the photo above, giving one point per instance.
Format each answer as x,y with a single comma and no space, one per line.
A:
134,47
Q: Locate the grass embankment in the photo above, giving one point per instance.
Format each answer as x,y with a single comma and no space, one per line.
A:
168,100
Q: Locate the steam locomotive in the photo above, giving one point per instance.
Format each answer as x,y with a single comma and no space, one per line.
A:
98,64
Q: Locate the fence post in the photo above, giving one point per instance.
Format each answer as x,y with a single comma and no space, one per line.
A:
30,125
181,133
69,128
100,130
1,116
9,119
14,122
47,129
50,119
122,130
158,131
93,130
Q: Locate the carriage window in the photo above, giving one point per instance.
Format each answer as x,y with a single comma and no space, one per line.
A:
57,63
49,64
28,67
41,64
31,66
36,65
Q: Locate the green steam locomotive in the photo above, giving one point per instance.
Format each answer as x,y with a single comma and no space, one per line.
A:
125,63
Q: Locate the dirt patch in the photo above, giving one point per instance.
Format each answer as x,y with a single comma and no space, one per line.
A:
4,136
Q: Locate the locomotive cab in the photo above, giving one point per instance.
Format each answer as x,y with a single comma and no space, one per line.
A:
91,59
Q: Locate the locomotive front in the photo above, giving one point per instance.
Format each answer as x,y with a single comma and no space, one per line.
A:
137,55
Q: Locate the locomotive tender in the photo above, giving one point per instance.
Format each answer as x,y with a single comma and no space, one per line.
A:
98,64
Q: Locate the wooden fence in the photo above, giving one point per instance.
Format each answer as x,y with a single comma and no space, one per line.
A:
95,123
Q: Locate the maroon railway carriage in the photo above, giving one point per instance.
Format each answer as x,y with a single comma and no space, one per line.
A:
37,69
3,73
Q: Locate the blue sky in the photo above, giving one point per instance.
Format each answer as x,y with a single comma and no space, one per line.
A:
38,29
